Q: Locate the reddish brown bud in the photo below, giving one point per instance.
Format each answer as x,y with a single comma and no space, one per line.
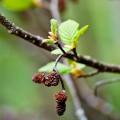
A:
39,78
60,108
60,97
52,79
62,5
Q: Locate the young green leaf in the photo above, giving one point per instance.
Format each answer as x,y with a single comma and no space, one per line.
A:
75,64
63,69
69,61
48,41
67,31
83,29
58,51
54,26
79,33
81,66
18,5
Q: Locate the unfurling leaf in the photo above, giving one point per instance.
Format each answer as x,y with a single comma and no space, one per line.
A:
48,41
58,51
63,69
83,29
54,26
80,32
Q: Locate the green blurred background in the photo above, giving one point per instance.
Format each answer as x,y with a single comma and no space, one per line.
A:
20,98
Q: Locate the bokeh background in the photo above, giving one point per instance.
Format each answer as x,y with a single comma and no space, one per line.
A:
20,98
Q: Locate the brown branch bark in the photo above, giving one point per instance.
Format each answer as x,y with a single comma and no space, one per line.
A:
34,39
37,40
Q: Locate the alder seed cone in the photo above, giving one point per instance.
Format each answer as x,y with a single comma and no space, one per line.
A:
52,79
60,108
60,97
39,78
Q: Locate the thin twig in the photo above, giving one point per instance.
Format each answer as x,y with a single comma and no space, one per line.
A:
55,69
37,40
60,47
89,74
56,61
104,82
75,53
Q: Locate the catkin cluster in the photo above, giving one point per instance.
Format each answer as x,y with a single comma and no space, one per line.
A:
53,79
50,80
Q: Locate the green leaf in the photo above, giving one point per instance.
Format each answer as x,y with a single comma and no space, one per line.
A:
75,64
48,41
68,31
81,66
54,26
58,51
18,5
70,62
61,68
83,29
80,32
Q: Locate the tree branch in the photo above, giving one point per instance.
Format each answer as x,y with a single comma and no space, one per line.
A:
37,40
89,74
34,39
104,82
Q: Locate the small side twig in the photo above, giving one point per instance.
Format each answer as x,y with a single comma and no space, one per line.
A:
60,47
89,74
104,82
55,69
75,53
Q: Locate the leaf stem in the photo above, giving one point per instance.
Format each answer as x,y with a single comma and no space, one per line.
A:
59,45
55,69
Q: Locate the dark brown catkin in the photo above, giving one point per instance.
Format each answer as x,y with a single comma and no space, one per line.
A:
39,78
52,79
60,108
60,99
